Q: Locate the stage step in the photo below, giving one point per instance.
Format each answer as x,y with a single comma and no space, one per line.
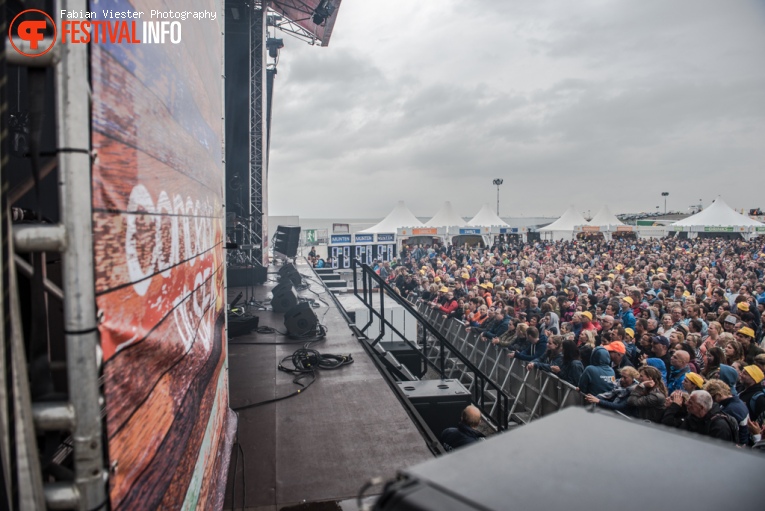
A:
327,277
324,271
335,283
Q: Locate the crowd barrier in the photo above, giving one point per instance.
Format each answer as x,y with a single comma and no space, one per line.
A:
533,392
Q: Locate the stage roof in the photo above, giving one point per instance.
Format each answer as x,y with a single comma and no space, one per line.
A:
301,13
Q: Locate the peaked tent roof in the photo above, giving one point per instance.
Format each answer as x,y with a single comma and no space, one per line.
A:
399,217
486,217
567,221
718,214
605,218
446,217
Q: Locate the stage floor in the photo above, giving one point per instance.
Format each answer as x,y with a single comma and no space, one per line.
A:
321,445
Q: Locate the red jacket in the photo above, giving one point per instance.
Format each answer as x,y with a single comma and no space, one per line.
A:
449,307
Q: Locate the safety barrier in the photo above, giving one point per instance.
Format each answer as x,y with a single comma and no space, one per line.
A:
434,347
533,392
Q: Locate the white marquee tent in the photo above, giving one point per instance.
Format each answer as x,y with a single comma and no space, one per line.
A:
486,217
401,216
719,217
605,218
563,228
446,217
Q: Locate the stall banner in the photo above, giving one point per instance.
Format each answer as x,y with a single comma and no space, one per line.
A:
158,219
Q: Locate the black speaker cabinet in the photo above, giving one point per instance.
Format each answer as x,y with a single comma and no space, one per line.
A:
241,277
241,325
439,402
407,356
284,297
287,239
289,272
301,320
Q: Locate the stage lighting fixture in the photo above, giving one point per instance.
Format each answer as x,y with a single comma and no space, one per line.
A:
274,45
323,11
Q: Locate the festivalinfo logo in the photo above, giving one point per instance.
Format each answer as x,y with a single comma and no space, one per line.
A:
27,31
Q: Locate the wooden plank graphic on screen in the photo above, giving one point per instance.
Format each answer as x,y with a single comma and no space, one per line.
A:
158,241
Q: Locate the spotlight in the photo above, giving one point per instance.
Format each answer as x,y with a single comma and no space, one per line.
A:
323,11
274,45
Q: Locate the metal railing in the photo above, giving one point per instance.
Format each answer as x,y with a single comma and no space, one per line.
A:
533,392
434,348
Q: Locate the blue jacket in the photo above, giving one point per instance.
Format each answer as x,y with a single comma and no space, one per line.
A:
598,377
628,319
452,438
676,377
533,350
497,329
737,409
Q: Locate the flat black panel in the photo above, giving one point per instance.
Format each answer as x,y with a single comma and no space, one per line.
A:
576,459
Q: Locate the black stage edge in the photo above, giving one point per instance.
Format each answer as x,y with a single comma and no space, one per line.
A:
321,445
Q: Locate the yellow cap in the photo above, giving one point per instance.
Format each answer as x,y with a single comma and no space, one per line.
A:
444,289
743,306
628,300
695,379
629,332
587,314
755,372
747,331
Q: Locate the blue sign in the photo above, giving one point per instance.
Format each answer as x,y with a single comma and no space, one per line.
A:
386,237
508,230
364,238
340,238
470,231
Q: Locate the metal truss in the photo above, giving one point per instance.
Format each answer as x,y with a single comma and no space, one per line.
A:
258,138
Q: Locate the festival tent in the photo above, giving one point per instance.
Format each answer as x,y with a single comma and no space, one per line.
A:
718,217
486,217
399,217
563,228
605,218
446,217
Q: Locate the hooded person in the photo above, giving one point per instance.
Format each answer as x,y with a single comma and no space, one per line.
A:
598,377
553,324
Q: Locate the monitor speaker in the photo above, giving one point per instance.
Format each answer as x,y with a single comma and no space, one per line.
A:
289,272
284,297
301,320
286,240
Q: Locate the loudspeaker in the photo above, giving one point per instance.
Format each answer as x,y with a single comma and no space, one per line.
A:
241,325
286,240
284,297
289,272
439,402
301,320
240,277
407,356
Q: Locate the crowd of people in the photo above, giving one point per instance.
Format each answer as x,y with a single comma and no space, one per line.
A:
666,330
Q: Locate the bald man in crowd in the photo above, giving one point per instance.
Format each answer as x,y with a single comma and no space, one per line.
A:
465,432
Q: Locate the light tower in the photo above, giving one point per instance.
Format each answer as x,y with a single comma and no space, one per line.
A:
498,182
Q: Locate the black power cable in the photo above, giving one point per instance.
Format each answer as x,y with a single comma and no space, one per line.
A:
305,364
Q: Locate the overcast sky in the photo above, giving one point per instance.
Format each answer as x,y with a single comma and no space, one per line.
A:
570,102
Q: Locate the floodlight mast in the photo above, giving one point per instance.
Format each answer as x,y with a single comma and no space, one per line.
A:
498,182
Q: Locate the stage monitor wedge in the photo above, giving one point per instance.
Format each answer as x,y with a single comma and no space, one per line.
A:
287,240
301,320
288,272
284,297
